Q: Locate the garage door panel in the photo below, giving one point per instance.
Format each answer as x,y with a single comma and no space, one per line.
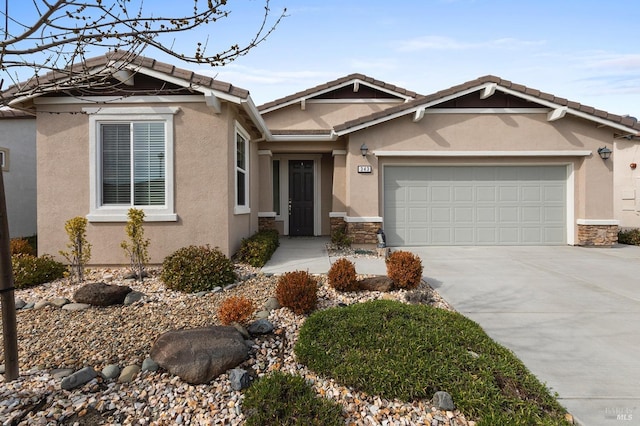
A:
438,205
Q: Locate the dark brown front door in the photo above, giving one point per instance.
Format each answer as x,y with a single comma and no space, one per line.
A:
301,197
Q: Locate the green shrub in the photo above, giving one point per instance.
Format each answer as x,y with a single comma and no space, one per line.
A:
21,246
342,275
339,237
404,269
629,236
197,268
395,350
284,399
258,249
79,252
137,247
297,291
31,270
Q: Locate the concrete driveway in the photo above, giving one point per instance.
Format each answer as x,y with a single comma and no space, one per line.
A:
571,314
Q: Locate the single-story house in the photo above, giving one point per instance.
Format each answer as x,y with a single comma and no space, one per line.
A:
18,162
488,162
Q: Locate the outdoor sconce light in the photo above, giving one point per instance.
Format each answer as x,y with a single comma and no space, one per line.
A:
364,149
604,153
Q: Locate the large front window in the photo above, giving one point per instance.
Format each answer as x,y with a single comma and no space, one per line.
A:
131,163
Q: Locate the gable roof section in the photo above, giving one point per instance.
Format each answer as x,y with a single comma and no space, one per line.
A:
124,66
14,113
323,91
487,85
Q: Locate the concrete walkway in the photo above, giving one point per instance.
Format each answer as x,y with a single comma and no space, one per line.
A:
310,254
571,314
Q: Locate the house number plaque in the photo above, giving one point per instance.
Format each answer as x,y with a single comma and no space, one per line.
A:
364,169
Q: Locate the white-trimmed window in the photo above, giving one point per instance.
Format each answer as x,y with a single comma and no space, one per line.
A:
131,163
4,159
242,171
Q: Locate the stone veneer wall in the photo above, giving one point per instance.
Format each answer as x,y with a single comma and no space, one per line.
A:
597,235
363,232
265,223
336,224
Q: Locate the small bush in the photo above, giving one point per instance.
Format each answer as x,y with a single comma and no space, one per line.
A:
629,236
258,249
197,268
21,246
79,252
404,269
284,399
297,291
236,309
31,270
342,275
339,237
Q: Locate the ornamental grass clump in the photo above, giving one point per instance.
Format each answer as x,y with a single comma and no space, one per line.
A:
404,269
197,268
236,309
342,275
297,291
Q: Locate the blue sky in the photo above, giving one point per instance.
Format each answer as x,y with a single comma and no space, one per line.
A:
584,50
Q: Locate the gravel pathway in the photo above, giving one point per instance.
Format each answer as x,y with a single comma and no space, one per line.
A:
51,338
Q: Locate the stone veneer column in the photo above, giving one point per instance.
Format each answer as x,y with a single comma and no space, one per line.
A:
597,233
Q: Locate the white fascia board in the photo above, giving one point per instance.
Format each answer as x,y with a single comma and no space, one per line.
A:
567,153
58,100
304,138
571,111
338,214
602,222
488,90
361,219
542,110
256,117
307,98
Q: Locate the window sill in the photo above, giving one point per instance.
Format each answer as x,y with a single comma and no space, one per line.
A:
115,217
241,210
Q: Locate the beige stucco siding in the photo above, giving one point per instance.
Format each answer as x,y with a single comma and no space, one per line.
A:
201,149
626,184
319,116
484,132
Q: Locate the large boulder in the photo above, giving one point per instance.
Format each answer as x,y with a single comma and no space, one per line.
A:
199,355
101,294
379,283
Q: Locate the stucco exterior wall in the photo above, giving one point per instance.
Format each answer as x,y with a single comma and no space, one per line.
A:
485,132
18,138
626,182
201,150
319,116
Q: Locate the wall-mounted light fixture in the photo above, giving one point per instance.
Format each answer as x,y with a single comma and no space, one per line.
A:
364,149
604,153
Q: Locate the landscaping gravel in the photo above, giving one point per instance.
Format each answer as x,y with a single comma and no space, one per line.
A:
55,342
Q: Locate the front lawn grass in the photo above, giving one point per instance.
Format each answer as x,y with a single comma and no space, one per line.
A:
409,352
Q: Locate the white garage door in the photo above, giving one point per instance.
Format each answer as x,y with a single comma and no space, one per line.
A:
429,205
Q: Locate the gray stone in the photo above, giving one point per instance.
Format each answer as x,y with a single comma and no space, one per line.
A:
107,278
443,401
133,297
149,365
41,304
381,283
101,294
129,373
111,371
240,379
59,302
20,303
230,286
241,329
201,354
272,304
76,306
61,373
262,315
201,293
78,378
1,368
29,305
216,290
262,326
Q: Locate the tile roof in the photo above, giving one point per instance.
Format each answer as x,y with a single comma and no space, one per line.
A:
136,61
334,84
14,113
452,91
